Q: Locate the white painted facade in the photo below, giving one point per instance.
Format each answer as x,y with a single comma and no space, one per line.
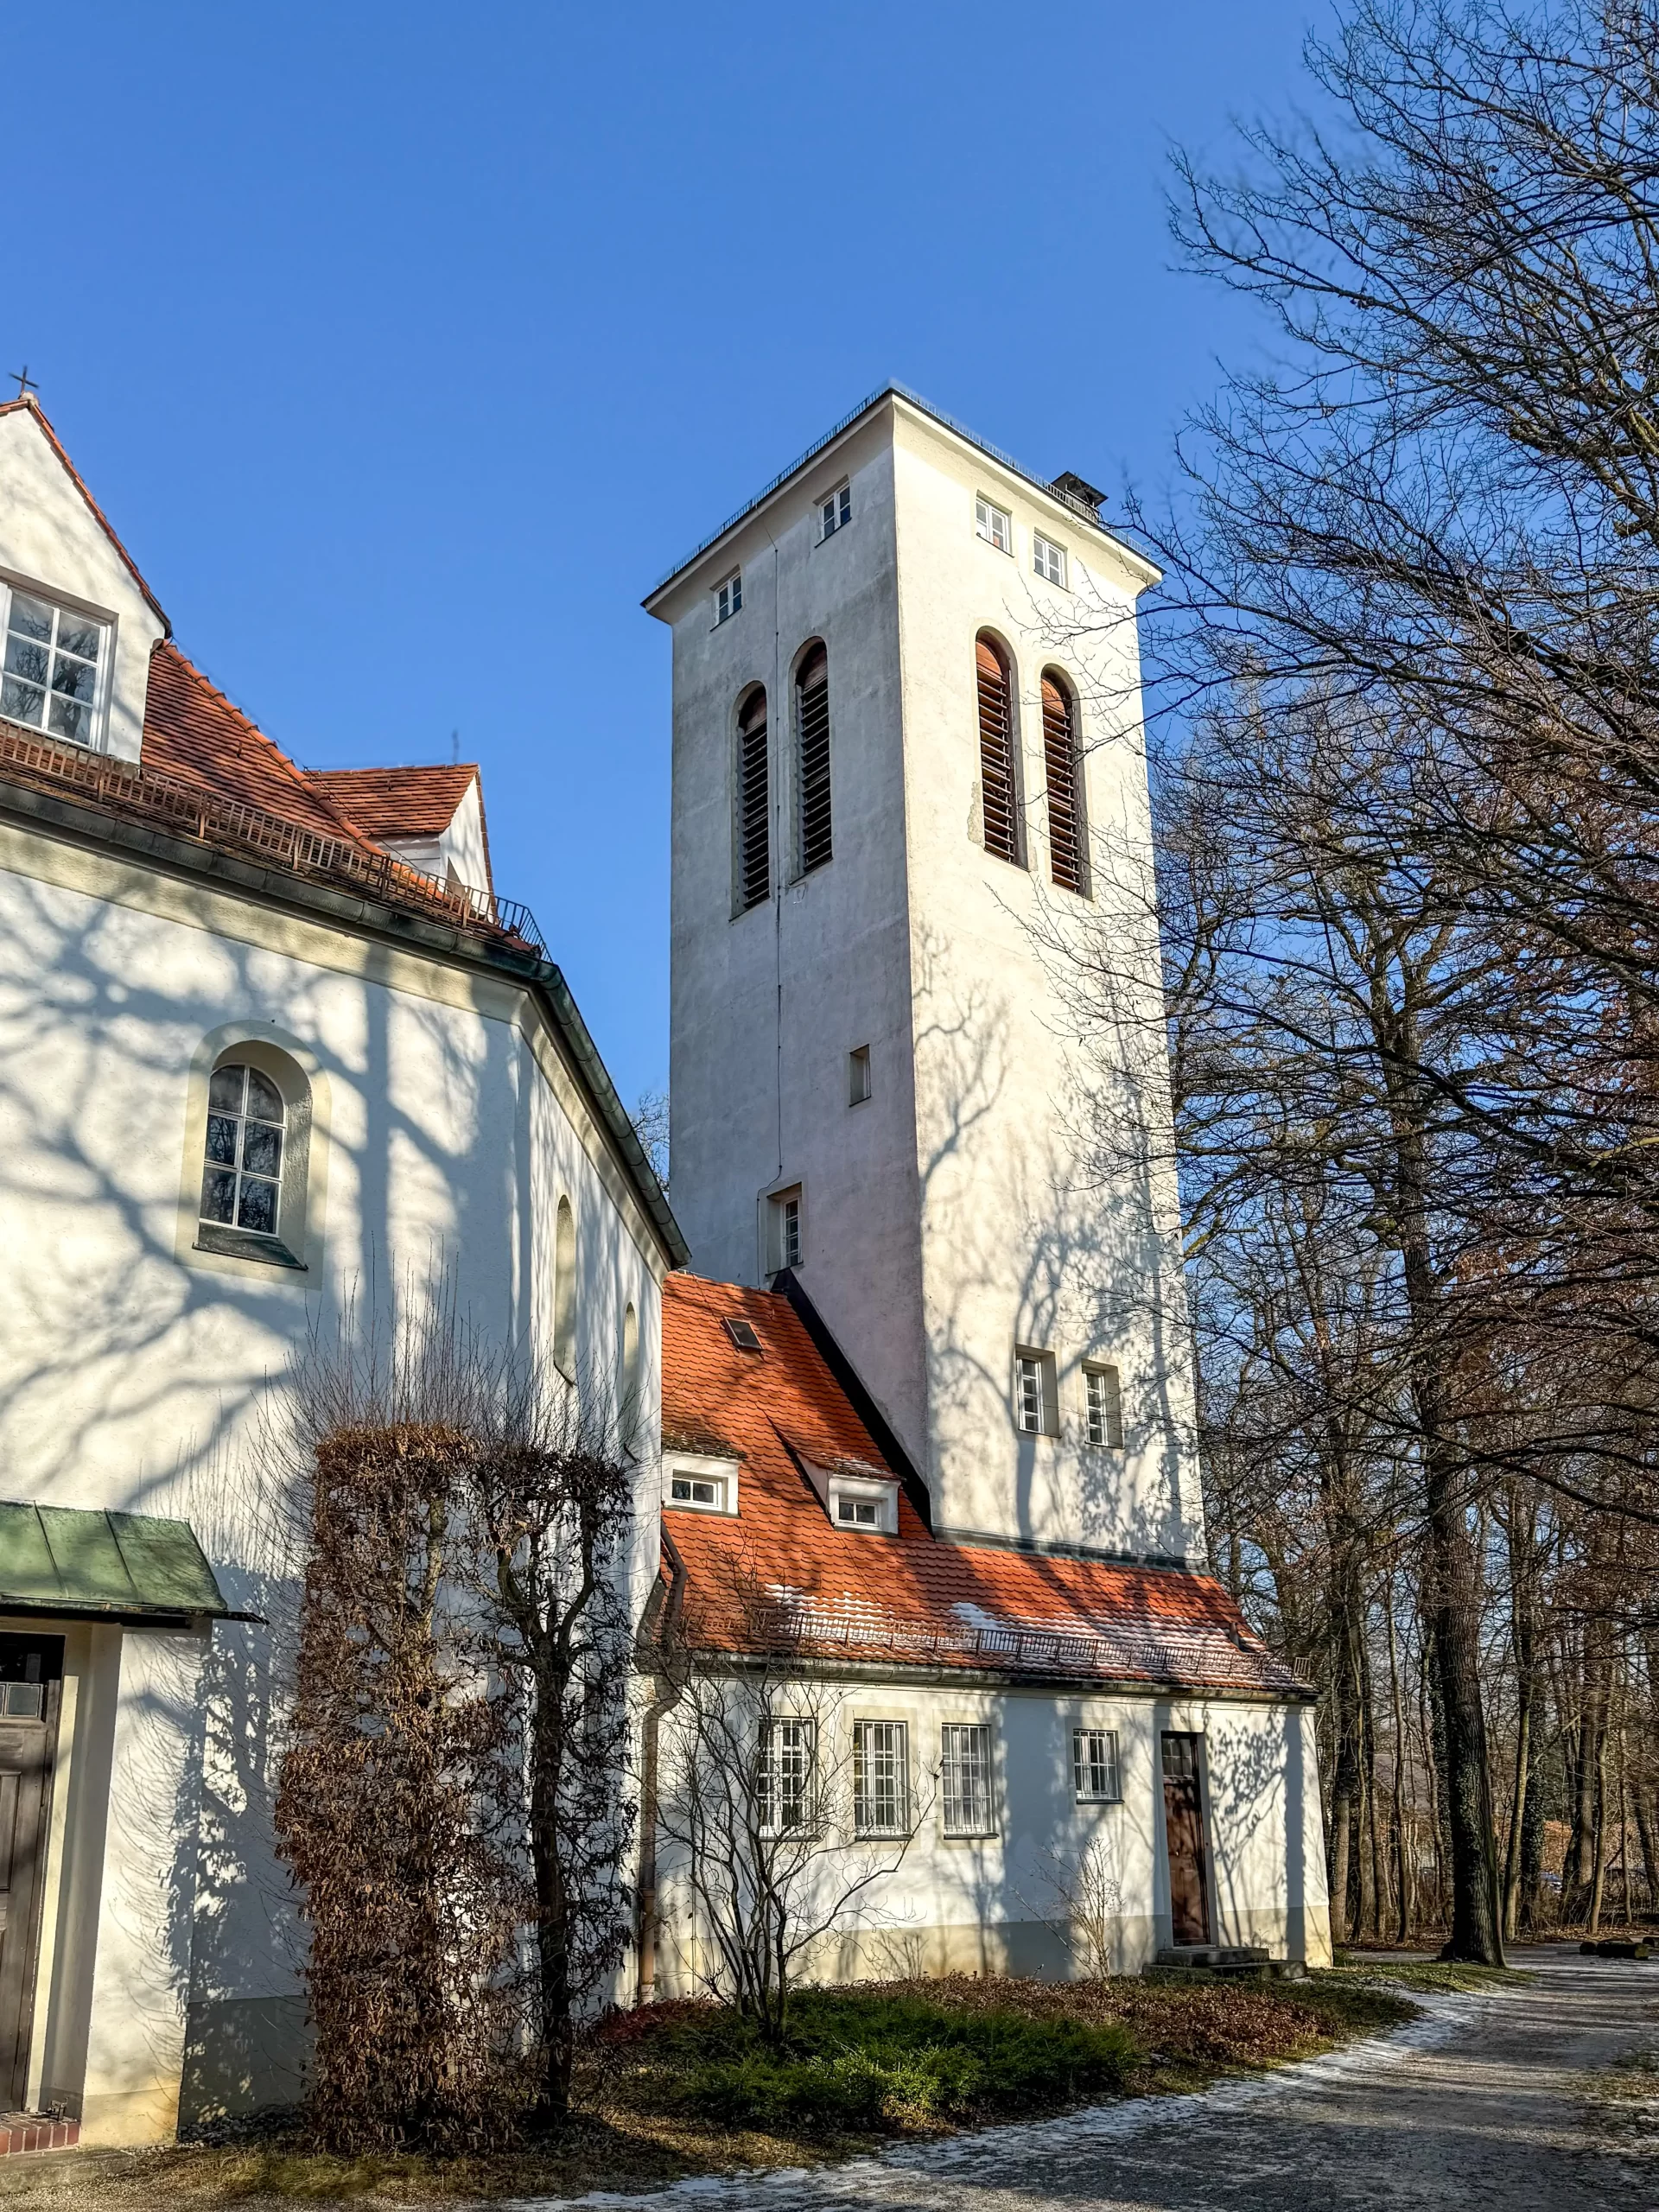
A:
953,1216
447,1111
459,852
961,1213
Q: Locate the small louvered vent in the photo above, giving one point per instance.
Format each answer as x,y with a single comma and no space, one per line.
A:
996,774
754,803
1065,830
812,722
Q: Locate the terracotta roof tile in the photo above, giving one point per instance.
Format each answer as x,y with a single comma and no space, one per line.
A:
397,802
193,731
780,1570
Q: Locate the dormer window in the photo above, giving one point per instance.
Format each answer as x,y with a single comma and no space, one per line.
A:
698,1483
53,668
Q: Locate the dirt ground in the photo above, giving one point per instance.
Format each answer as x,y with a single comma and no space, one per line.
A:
1538,2096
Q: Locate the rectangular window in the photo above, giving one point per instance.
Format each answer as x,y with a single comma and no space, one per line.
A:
1094,1766
729,599
706,1490
994,524
785,1776
1048,560
881,1777
965,1780
53,662
836,511
862,1512
785,1240
1105,1405
1035,1394
858,1075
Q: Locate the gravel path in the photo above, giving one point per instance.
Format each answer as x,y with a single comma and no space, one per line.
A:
1496,2101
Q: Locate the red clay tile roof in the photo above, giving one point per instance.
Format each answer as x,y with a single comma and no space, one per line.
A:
192,730
781,1573
27,403
397,802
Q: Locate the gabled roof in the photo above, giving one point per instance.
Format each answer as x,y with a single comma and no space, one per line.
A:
779,1573
397,802
29,404
193,731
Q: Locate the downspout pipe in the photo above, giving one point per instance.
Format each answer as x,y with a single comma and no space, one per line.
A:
666,1692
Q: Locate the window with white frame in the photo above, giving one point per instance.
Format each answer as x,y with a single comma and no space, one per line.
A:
54,669
728,598
965,1779
1094,1766
242,1178
863,1502
1048,559
785,1774
1104,1402
881,1777
783,1230
1034,1393
701,1482
993,524
835,510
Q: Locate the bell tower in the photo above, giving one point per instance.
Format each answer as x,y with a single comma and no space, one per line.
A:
907,770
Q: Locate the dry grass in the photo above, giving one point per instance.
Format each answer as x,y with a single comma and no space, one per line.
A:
628,2136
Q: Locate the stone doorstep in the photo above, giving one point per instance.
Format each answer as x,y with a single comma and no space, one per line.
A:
1224,1962
35,2131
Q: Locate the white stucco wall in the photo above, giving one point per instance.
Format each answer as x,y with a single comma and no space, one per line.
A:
965,1209
132,1370
998,1904
49,539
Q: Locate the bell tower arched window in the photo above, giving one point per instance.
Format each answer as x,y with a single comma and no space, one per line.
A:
1067,838
754,803
814,844
998,780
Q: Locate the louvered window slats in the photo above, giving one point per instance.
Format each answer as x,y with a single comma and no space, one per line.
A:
996,758
813,722
1065,844
753,809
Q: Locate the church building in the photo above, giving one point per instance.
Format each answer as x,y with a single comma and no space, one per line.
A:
928,1397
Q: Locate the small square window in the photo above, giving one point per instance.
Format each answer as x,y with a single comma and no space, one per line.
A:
965,1780
1094,1766
728,598
1105,1407
1034,1394
54,665
863,1512
695,1482
858,1075
741,1333
994,524
1048,560
698,1490
835,511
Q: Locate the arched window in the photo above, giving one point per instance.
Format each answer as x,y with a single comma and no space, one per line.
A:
564,1290
754,803
998,781
813,841
628,1380
255,1143
1067,838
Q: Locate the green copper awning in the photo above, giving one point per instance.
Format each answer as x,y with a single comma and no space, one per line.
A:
55,1559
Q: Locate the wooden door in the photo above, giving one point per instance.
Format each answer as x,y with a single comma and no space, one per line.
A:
1189,1873
31,1674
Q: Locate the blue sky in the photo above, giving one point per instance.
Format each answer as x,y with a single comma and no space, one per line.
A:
405,346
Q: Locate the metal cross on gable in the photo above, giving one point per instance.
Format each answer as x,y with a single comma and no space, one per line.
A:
24,381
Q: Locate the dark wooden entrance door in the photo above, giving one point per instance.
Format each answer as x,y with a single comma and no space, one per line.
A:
31,1676
1189,1883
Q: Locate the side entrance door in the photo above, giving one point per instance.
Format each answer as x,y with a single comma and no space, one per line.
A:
31,1679
1189,1879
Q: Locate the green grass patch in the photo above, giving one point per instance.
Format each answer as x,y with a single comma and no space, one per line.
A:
1431,1975
857,2061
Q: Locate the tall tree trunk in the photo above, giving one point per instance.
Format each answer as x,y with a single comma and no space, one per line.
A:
1522,1527
1404,1901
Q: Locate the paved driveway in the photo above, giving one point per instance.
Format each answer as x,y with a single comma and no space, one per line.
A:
1488,2101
